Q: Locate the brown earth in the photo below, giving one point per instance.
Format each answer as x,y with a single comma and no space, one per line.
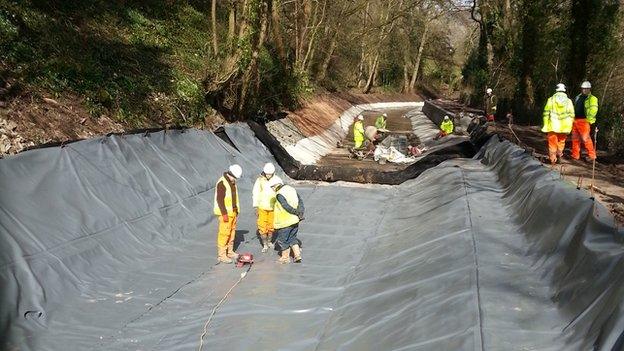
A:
319,113
33,119
30,121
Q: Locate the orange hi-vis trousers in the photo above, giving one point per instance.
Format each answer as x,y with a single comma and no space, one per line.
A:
556,144
580,132
265,222
227,230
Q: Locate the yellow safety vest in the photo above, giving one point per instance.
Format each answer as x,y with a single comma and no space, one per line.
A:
591,108
281,218
380,122
358,131
227,200
558,114
263,197
447,126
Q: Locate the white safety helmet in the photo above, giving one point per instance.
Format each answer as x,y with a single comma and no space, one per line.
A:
275,180
268,168
236,171
488,90
586,85
385,115
446,118
560,87
360,117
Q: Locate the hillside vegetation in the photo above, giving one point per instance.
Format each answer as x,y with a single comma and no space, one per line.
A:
525,47
151,62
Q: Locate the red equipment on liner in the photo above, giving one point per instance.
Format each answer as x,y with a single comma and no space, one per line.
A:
243,258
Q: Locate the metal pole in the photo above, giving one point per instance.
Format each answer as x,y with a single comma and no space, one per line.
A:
594,161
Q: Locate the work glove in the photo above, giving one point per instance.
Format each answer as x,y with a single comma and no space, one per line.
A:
300,215
225,218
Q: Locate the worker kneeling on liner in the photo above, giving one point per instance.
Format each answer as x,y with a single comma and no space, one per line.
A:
226,209
288,212
263,199
446,128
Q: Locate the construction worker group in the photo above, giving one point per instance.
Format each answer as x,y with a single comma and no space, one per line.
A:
563,116
360,134
279,210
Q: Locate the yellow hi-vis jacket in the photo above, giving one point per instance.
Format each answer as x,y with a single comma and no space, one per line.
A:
281,217
447,126
591,107
380,122
263,197
358,131
558,114
227,200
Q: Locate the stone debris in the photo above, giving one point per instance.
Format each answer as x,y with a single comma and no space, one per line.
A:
10,141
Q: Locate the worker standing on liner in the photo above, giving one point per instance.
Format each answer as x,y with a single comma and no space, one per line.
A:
585,110
226,208
288,212
558,119
263,199
381,121
358,131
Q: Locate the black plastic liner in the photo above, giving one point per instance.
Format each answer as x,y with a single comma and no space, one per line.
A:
296,170
109,244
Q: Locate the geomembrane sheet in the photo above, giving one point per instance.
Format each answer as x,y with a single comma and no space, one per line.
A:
109,244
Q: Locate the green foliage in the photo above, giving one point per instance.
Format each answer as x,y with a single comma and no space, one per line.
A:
8,31
545,42
117,56
610,123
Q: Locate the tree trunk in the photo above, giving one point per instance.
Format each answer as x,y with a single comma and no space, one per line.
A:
421,47
231,26
582,12
307,60
215,44
277,32
323,71
252,69
406,77
371,75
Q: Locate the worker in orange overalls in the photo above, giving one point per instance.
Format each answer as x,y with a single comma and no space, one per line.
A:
263,198
558,118
226,208
585,110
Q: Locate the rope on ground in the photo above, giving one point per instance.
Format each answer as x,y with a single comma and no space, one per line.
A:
214,310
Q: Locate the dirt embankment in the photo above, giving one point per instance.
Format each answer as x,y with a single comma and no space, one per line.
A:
29,121
320,112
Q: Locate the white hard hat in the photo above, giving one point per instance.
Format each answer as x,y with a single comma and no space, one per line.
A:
275,180
586,85
560,87
385,115
360,117
268,168
236,171
488,90
446,117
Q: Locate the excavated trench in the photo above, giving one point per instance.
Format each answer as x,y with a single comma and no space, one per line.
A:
108,244
339,169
